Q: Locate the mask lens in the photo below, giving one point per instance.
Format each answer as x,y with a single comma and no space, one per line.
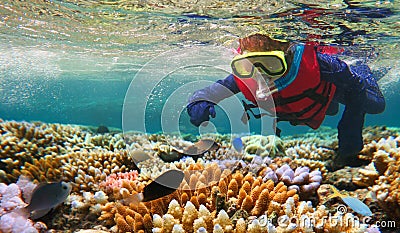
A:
271,65
243,67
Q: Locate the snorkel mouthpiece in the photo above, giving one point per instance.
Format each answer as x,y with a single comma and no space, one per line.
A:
262,92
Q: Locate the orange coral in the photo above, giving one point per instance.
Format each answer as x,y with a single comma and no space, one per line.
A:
254,197
147,222
261,203
238,176
242,195
195,201
222,187
247,204
249,178
122,225
138,224
202,198
246,187
233,186
184,198
255,192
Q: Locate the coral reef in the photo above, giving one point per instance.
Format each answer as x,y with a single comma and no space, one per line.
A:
263,146
300,179
106,141
324,137
86,168
376,133
206,194
23,142
387,185
264,189
34,149
117,180
366,177
310,151
89,168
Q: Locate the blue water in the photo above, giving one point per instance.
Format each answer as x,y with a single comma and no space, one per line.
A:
83,78
84,101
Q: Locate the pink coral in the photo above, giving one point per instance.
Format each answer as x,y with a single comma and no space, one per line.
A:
13,217
116,180
10,198
300,179
14,222
373,229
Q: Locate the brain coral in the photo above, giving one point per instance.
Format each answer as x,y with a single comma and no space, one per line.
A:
271,145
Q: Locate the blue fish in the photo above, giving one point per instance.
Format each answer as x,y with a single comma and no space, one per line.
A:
355,204
237,143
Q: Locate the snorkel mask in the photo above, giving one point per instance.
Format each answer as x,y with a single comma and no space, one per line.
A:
273,64
264,67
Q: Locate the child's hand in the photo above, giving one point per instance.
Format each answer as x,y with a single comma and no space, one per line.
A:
200,112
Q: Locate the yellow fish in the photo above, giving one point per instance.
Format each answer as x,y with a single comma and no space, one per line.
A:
355,204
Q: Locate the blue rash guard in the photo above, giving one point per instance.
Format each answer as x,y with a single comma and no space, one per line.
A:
356,88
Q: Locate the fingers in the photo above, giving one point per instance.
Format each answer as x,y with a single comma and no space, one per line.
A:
200,112
212,111
195,122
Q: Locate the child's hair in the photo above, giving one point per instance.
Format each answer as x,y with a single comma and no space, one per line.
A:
261,43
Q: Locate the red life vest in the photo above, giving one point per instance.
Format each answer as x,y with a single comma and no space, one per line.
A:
304,101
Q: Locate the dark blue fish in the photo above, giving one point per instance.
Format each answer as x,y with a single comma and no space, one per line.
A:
163,185
46,197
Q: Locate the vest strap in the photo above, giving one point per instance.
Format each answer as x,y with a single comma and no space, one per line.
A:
248,108
295,117
246,116
310,93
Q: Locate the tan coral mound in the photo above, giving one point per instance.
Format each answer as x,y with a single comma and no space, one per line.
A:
263,146
52,152
85,168
310,151
89,168
387,161
23,142
35,149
